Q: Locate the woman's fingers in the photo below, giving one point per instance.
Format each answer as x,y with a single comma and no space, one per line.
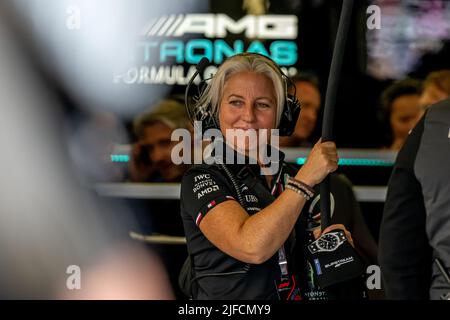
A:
334,227
349,238
322,160
317,233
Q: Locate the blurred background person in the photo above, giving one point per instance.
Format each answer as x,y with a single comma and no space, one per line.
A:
308,93
150,159
436,87
151,162
401,110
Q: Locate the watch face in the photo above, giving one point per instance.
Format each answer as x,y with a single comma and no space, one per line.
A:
328,242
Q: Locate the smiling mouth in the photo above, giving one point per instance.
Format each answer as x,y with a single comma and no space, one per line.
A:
245,129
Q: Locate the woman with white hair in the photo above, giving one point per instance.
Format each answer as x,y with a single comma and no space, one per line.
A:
238,217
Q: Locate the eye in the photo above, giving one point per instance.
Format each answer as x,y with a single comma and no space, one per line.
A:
263,105
236,103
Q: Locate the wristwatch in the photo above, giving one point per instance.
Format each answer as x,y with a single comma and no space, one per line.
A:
328,242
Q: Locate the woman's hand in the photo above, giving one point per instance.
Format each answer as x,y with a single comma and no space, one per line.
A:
317,232
322,160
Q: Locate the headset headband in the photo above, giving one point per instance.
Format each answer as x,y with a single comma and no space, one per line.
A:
290,111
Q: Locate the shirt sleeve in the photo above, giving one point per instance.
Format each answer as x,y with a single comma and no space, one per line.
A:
202,189
403,249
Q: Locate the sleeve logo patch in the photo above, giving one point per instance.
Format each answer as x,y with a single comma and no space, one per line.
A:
207,190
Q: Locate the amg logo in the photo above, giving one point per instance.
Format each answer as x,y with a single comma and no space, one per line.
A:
219,25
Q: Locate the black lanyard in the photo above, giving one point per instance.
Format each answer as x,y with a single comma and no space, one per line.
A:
282,260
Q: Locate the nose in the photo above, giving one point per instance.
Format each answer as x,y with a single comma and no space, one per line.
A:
308,112
248,113
313,117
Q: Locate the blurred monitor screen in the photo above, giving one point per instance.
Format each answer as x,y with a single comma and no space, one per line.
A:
409,29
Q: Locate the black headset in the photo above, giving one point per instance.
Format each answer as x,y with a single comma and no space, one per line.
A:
291,108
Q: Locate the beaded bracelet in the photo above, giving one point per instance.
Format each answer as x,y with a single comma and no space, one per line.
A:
309,194
298,190
306,188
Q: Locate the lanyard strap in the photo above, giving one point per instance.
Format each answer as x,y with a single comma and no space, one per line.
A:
269,197
282,261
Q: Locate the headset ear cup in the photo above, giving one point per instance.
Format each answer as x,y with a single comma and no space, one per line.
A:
289,117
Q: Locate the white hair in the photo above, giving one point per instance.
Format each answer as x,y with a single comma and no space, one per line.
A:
241,62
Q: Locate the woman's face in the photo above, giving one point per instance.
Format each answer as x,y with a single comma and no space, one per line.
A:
249,104
405,113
